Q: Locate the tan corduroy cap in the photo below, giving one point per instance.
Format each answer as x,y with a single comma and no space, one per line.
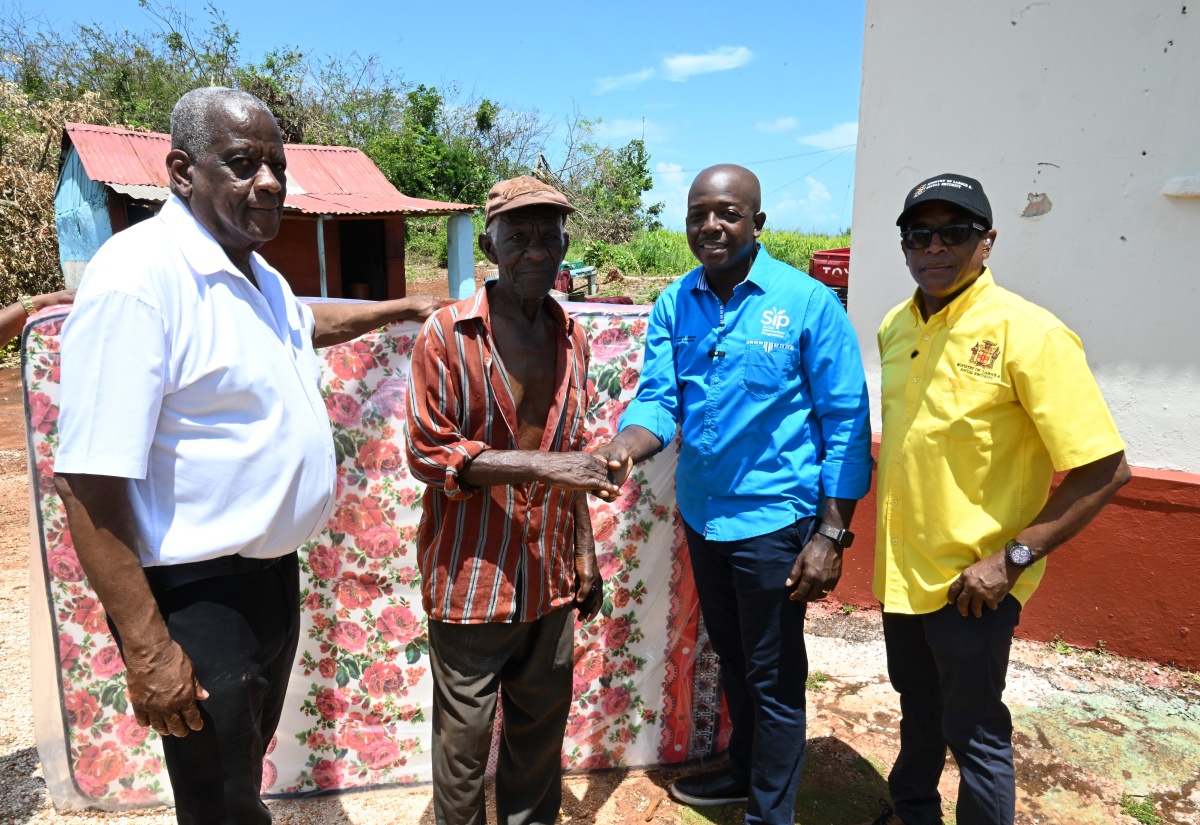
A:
518,193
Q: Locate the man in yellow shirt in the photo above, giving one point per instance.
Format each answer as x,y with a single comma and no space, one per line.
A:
985,396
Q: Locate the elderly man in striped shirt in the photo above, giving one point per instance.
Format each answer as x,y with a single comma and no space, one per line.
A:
497,403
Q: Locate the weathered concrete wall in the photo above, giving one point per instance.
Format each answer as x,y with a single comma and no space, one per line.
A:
1129,579
1074,114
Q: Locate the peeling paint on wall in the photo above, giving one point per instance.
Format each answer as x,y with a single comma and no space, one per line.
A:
1039,204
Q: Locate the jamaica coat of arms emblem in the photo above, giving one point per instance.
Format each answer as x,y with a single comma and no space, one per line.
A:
984,354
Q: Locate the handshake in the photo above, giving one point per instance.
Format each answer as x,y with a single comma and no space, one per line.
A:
600,473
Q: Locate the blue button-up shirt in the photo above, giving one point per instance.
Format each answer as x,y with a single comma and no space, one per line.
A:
769,392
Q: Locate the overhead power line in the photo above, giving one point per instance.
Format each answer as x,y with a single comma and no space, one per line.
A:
784,157
807,173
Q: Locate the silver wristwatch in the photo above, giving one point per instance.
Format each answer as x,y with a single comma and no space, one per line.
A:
1018,554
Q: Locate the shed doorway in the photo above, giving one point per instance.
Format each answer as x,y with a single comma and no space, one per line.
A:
364,271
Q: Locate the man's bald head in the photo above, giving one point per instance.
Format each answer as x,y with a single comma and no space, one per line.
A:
723,222
731,178
195,118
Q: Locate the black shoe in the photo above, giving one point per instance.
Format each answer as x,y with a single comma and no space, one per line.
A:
712,787
887,816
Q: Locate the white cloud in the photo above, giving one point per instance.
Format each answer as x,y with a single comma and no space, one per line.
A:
625,129
680,67
608,84
844,134
779,124
811,211
670,187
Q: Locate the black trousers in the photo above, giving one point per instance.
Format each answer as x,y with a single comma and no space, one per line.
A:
241,632
758,633
531,662
950,672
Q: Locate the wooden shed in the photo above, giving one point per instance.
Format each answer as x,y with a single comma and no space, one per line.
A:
342,234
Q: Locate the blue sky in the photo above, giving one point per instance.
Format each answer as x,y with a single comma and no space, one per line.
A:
704,82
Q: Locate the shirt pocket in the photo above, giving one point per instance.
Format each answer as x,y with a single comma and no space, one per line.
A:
765,371
968,409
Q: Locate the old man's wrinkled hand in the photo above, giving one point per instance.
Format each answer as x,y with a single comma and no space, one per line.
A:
164,691
578,471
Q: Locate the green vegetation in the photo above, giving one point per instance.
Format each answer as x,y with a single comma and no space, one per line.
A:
1059,646
849,608
1144,811
431,142
816,680
664,252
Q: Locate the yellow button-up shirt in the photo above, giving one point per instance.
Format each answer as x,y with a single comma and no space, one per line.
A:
981,404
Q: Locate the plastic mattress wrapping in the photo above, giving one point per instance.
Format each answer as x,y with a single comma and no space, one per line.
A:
646,681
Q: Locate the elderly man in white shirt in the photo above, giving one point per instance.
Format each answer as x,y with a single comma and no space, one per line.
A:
196,454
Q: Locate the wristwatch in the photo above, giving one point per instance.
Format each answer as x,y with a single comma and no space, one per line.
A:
843,538
1018,554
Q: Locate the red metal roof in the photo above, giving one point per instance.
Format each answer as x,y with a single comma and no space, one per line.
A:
336,180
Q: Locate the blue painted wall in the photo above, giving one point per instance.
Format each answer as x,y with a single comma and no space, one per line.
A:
81,214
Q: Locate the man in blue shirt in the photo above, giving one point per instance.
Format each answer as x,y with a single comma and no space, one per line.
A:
760,368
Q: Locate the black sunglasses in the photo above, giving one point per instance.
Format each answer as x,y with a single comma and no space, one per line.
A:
952,235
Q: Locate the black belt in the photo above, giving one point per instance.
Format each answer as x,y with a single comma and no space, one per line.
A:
169,576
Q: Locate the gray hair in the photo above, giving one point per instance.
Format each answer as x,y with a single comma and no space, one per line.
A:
192,118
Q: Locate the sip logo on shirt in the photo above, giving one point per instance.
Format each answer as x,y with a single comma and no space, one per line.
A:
775,321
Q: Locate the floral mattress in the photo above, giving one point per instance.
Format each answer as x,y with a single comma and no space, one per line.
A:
645,688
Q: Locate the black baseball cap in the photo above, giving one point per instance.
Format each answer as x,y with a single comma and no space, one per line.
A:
956,189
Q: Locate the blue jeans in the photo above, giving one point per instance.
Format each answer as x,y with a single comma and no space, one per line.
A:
758,633
950,671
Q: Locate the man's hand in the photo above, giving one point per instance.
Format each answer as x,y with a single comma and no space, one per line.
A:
816,571
987,581
589,586
631,446
163,690
619,463
576,471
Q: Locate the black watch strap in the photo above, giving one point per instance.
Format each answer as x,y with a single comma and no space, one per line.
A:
843,538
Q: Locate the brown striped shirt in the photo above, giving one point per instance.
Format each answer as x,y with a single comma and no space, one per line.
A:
497,554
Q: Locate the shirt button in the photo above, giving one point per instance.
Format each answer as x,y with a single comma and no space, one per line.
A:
895,502
926,337
908,421
709,498
894,541
917,380
952,319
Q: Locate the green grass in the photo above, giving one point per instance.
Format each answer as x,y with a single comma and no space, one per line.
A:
425,240
1144,811
816,680
665,253
658,253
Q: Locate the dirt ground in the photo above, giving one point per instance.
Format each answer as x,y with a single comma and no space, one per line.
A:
1096,735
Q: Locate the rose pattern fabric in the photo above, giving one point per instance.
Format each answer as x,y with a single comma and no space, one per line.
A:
359,696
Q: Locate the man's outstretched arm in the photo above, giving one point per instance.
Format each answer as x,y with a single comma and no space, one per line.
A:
162,686
337,323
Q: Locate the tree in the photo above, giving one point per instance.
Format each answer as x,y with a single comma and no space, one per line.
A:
605,184
30,131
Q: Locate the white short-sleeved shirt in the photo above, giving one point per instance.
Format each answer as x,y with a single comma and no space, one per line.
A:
202,390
